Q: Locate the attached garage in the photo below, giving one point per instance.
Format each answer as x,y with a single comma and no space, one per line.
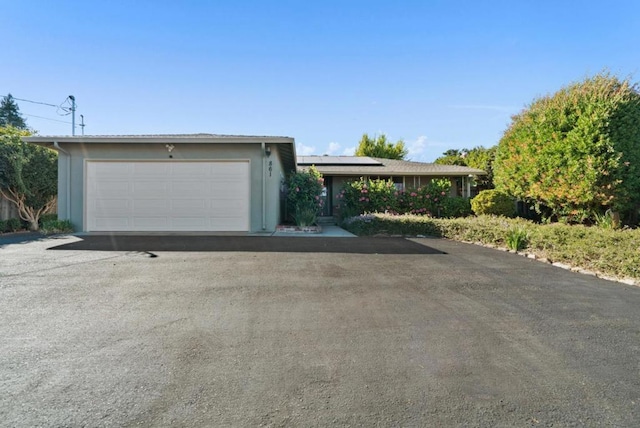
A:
172,183
168,196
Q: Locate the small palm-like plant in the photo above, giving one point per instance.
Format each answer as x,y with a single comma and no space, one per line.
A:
517,238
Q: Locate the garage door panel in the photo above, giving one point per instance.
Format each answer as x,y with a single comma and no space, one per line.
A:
190,189
167,196
190,208
111,189
149,189
225,224
190,170
112,207
112,223
150,223
111,169
151,169
150,206
188,223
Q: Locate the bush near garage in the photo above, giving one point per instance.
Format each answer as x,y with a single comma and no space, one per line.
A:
304,196
54,226
614,252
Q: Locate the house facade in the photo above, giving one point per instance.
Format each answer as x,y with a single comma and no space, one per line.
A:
171,183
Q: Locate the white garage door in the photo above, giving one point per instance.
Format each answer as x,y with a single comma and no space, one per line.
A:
167,196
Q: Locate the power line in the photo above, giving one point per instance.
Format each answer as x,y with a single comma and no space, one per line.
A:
35,102
46,118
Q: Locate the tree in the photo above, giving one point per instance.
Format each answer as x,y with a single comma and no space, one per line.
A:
452,157
482,158
28,175
379,147
10,113
575,152
478,157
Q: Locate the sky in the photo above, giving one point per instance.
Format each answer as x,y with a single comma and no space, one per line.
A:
438,75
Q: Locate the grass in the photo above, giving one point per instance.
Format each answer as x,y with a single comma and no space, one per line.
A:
607,251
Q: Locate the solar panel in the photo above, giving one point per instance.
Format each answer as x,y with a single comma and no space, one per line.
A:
337,160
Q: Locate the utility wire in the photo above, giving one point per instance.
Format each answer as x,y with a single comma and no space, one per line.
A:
35,102
46,118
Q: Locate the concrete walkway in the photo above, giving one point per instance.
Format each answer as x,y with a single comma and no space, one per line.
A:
328,231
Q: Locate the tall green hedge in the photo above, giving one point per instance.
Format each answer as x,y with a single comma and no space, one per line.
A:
576,152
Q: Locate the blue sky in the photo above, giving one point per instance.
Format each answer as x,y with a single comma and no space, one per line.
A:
437,74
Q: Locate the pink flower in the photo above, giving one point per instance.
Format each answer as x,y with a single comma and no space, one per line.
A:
427,196
297,189
317,197
443,193
414,194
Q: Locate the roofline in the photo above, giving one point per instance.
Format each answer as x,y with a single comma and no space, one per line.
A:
143,139
402,173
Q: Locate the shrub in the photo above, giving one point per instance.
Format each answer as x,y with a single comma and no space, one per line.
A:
56,226
381,196
456,207
576,151
48,217
493,202
608,251
304,193
3,226
13,225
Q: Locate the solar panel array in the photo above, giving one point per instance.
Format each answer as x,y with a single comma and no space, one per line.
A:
337,160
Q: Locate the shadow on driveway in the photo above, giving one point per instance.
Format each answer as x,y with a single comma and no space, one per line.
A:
363,245
19,237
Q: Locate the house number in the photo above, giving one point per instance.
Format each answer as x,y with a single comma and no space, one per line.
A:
270,167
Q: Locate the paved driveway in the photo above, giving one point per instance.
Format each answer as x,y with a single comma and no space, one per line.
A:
472,337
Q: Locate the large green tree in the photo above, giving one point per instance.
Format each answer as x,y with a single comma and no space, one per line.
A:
28,175
10,113
380,147
576,152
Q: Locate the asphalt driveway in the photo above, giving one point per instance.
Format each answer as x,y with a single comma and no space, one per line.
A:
463,335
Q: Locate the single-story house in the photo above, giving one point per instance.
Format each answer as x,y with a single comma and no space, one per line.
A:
337,170
205,182
171,183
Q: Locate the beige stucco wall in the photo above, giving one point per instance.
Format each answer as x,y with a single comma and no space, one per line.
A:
72,181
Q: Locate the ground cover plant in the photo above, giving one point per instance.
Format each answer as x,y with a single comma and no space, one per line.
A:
608,251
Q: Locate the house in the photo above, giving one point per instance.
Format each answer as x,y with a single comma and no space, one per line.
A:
171,183
205,182
337,170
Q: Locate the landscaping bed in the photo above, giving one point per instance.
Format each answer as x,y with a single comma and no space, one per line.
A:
606,252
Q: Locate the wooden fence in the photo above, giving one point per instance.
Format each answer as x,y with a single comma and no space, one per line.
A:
7,209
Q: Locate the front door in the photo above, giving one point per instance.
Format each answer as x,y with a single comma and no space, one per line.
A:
327,199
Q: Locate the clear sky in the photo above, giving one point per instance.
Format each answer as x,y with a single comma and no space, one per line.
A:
437,74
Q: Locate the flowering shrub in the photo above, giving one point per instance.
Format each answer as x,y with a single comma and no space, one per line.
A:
369,196
304,196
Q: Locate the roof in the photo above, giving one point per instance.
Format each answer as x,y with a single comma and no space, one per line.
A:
287,148
370,166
